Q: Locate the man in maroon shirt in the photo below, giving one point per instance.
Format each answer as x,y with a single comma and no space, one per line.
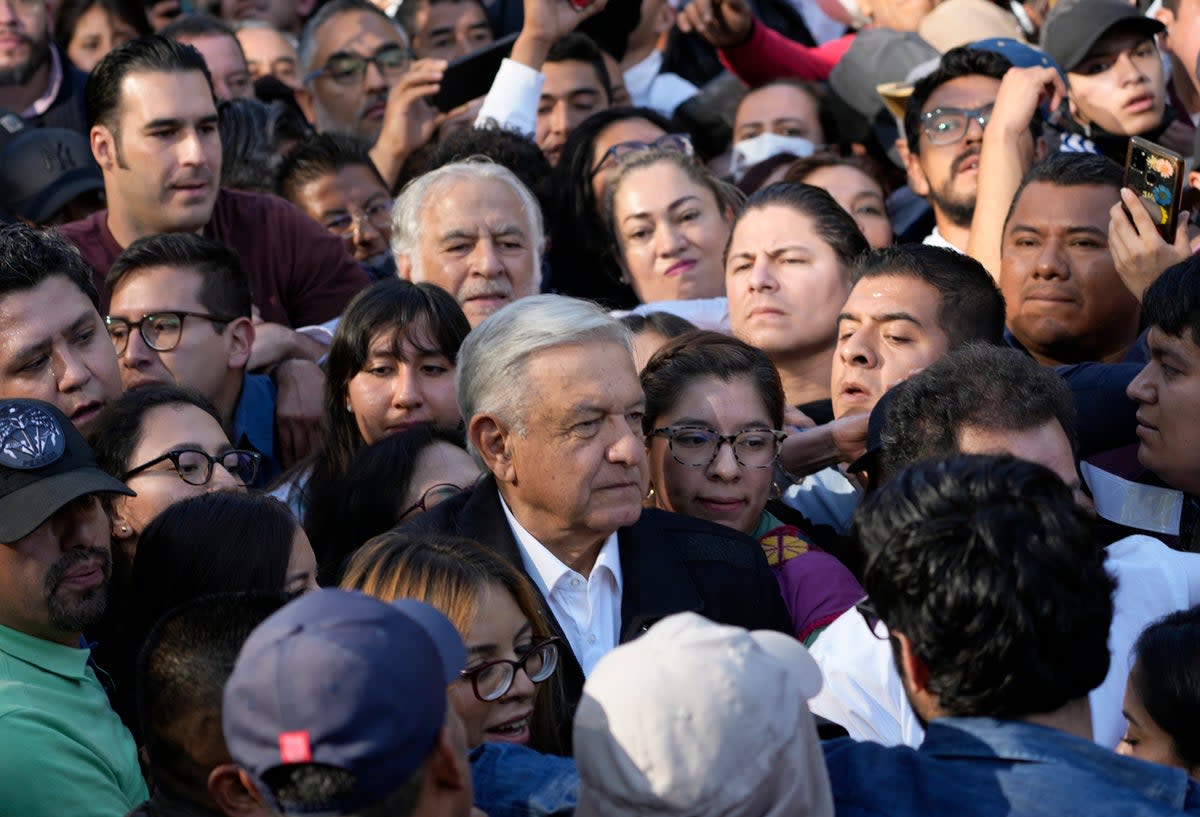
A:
154,134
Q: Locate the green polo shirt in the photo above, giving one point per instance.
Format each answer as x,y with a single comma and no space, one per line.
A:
63,751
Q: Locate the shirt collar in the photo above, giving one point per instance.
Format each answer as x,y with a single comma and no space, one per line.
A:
546,569
69,662
43,102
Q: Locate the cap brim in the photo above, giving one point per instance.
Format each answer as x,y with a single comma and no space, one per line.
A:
58,195
439,629
1137,24
22,511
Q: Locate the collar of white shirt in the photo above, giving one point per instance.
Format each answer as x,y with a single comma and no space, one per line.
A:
591,620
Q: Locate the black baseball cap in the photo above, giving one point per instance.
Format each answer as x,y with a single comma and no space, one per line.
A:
43,169
44,464
1073,26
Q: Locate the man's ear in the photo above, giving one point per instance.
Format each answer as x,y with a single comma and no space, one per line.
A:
916,176
304,99
490,437
1040,149
404,267
240,334
104,147
1167,18
233,794
912,669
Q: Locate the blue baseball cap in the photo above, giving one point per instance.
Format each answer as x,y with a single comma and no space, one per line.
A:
343,681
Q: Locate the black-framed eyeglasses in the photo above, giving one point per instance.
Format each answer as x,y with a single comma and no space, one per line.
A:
697,446
874,622
679,142
160,330
378,214
433,496
492,680
945,126
349,69
195,467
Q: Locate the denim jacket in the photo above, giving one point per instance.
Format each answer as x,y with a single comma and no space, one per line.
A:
995,768
516,781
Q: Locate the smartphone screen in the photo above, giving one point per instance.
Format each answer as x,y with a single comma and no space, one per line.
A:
1155,175
470,77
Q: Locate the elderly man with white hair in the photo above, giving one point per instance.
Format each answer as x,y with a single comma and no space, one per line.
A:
473,229
553,408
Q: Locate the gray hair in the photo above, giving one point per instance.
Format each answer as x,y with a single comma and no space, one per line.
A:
406,214
308,35
491,362
263,25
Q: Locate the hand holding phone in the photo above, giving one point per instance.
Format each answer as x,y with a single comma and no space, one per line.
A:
470,76
1155,175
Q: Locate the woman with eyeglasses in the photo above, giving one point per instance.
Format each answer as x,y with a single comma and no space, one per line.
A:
670,219
508,696
581,261
387,483
390,368
714,409
167,444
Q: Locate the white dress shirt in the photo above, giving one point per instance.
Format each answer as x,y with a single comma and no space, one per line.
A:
863,692
649,87
512,102
588,609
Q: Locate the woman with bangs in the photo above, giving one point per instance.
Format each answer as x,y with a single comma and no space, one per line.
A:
390,368
508,697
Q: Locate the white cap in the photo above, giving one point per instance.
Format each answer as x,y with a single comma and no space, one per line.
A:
696,718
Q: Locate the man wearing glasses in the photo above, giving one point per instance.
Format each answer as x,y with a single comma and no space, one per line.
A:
944,122
181,315
359,77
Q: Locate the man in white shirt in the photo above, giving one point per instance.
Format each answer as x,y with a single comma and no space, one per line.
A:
992,400
642,64
553,408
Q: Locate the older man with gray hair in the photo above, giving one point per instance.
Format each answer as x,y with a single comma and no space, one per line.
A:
553,408
473,229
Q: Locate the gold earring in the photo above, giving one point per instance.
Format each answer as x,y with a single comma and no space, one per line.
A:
650,493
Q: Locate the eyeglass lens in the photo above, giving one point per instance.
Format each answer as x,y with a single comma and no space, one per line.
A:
494,680
698,447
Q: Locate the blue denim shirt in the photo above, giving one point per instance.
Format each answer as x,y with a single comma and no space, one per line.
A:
516,781
993,768
254,425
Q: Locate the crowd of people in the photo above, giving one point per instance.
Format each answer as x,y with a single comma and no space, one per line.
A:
741,408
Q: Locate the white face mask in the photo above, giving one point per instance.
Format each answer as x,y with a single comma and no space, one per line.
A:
750,152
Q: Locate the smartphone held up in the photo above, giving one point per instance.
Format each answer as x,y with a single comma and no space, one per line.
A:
1155,175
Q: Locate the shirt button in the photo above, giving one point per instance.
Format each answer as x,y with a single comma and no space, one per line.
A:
592,638
576,582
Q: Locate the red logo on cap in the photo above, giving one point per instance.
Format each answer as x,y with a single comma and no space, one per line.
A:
294,747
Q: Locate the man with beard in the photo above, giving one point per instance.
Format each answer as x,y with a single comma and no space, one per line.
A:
62,748
944,121
35,80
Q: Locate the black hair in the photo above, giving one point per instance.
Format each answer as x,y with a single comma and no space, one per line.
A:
579,47
955,63
28,256
419,312
130,12
831,222
155,53
504,147
365,502
118,428
224,287
321,155
218,542
1172,302
192,26
991,571
181,671
800,169
1070,170
977,385
251,136
666,324
582,264
700,354
971,307
1166,677
814,91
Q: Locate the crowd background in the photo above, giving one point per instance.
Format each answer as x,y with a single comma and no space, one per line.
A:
537,407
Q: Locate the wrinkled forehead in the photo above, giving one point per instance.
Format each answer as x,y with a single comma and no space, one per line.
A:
353,32
462,202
